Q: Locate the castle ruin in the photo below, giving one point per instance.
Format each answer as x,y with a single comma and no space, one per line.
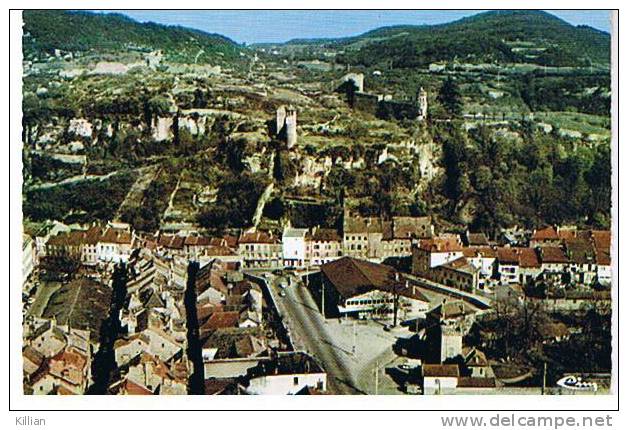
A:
382,106
286,125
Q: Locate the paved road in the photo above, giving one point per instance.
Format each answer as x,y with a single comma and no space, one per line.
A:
310,332
478,301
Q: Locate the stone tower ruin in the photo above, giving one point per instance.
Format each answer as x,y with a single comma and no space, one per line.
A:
421,101
286,125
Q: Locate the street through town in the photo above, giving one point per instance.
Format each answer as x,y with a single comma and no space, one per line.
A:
309,332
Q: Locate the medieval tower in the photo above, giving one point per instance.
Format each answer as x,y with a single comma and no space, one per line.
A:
421,101
286,125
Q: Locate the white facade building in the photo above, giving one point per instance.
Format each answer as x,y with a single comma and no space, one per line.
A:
294,247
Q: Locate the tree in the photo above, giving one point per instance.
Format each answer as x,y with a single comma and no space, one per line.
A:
449,96
454,159
274,209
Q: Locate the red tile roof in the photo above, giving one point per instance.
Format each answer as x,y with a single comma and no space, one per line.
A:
411,227
461,265
131,388
602,245
580,250
528,258
553,254
471,382
171,241
258,237
441,244
507,256
352,277
221,320
547,233
441,370
92,236
479,251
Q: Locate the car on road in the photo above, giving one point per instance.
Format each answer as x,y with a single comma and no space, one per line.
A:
410,364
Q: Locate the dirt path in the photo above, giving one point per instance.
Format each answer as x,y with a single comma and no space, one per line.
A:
72,180
136,192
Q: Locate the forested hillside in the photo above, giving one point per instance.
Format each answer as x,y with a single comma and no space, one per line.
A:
500,36
111,33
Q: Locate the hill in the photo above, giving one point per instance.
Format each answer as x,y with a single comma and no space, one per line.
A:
498,36
47,30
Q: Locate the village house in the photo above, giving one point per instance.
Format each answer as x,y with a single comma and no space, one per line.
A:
42,235
484,259
361,236
507,265
582,265
34,362
49,339
377,239
476,364
92,246
285,374
553,259
68,370
323,245
401,232
260,249
459,273
602,243
440,378
434,252
294,247
155,375
529,265
152,340
547,236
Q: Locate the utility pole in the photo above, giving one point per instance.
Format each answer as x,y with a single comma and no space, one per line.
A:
376,378
544,377
323,298
354,338
395,306
395,299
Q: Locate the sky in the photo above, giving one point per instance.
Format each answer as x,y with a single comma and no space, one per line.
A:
274,26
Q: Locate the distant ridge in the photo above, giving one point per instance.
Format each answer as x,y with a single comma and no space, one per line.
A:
517,36
47,30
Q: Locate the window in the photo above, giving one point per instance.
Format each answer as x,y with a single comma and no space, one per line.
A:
295,380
